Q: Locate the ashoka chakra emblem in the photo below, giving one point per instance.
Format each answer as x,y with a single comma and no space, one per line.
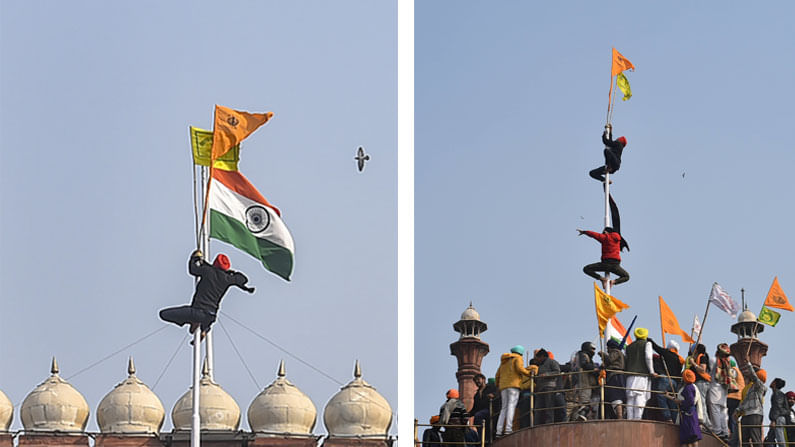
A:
257,218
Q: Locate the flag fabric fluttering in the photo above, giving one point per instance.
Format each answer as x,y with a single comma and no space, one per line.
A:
242,217
614,330
777,298
606,307
201,142
768,316
670,325
620,63
696,327
623,85
230,127
723,301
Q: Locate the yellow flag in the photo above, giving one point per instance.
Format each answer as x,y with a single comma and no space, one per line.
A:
606,307
776,297
623,85
233,126
201,142
669,323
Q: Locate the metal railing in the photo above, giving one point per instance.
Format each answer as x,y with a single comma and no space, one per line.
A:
452,431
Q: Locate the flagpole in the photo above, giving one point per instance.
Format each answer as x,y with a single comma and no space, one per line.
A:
205,237
607,207
703,323
662,329
195,429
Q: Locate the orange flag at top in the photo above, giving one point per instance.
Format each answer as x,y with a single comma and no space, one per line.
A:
232,126
620,63
776,297
669,323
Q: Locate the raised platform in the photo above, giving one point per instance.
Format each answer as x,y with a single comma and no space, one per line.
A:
612,433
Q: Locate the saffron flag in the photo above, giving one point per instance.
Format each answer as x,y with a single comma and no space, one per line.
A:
768,316
233,126
776,297
242,217
669,323
723,301
614,330
623,85
606,307
620,63
201,142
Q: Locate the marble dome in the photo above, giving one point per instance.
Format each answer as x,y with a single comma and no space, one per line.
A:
282,408
54,405
358,410
6,412
470,314
217,409
131,407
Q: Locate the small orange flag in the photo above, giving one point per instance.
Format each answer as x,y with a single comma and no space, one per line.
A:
233,126
776,297
620,63
669,323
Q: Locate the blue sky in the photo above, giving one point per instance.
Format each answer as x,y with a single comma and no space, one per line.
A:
511,99
95,187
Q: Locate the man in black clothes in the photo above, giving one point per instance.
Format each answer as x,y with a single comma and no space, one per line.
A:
668,367
545,387
214,281
613,150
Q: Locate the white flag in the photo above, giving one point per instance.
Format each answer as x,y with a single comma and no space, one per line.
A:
696,327
720,298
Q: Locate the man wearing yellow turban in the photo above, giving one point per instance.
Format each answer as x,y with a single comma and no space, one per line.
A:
638,366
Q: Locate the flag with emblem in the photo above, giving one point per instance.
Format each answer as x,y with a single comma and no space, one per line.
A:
620,63
768,316
669,323
242,217
233,126
606,307
201,143
776,297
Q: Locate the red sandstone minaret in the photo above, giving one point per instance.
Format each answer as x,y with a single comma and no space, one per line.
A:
748,347
469,350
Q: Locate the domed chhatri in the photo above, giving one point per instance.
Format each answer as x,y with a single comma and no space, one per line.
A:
54,405
358,410
282,408
470,324
6,412
131,408
470,313
217,409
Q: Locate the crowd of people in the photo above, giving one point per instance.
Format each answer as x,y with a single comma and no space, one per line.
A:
641,380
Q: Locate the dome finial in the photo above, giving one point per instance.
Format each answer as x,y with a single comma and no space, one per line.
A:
357,370
130,367
281,372
205,368
54,368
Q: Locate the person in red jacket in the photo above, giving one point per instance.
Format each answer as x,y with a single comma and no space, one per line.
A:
611,259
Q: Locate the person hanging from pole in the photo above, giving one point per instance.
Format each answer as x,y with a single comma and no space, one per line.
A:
214,280
611,259
612,152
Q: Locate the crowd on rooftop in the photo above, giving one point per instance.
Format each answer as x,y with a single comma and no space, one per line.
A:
640,381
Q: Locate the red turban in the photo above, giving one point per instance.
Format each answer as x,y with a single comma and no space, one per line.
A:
222,262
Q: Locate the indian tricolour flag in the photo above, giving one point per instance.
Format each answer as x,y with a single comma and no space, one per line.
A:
615,330
240,215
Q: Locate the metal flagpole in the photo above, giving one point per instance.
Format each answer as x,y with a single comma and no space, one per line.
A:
195,428
607,205
205,238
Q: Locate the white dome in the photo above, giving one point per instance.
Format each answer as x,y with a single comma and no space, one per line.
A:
131,407
470,314
6,412
746,316
282,408
217,409
54,405
358,410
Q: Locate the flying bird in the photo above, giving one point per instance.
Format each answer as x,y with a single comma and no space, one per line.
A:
361,157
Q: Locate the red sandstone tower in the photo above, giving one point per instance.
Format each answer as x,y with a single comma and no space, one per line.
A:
748,347
469,350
